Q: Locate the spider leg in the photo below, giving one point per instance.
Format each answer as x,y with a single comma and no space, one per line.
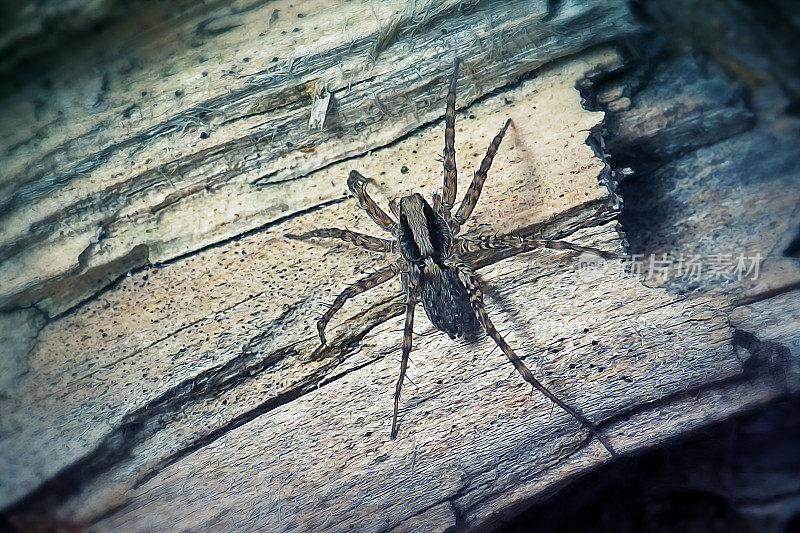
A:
470,282
394,207
357,185
439,207
359,239
364,284
411,302
450,171
524,244
474,191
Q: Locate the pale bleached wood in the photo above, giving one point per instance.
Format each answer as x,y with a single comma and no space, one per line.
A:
132,355
773,320
470,432
184,397
138,161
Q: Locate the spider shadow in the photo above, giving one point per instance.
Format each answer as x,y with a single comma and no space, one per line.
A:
506,308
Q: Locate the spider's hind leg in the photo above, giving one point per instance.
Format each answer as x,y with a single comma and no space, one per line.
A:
470,282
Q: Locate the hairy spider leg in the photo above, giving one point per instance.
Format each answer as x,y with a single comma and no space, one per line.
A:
524,244
364,284
475,188
394,207
450,170
470,282
443,212
408,331
369,242
357,185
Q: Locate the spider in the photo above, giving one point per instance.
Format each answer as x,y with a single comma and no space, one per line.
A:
430,262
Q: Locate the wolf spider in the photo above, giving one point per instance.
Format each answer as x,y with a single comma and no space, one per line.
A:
430,259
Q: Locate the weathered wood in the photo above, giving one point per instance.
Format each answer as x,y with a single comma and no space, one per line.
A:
183,396
704,185
734,475
84,200
632,359
714,172
275,301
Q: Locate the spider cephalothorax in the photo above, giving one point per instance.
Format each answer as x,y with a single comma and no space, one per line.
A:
430,259
425,241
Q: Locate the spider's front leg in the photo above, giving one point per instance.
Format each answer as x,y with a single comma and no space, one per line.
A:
474,192
359,239
408,331
373,280
470,281
357,185
450,171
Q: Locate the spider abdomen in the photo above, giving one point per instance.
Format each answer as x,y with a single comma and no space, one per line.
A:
444,299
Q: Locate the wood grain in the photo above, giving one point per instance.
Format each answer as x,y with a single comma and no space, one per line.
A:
183,395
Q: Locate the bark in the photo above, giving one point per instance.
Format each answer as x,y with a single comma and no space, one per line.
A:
161,326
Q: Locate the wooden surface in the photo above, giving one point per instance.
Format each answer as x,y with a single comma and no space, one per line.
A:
167,150
183,395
